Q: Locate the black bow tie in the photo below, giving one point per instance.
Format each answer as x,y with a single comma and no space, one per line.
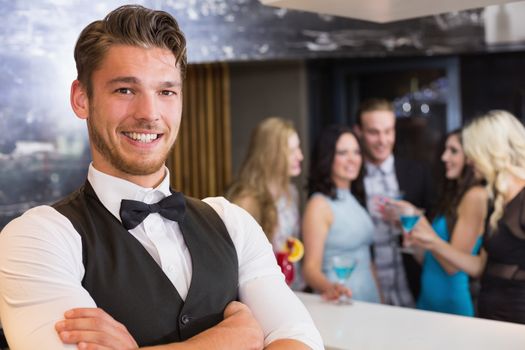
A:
132,213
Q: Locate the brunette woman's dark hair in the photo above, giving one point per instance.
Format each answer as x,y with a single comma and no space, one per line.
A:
320,179
453,190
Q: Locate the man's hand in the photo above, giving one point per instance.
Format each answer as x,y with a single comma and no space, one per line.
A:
238,330
94,329
239,325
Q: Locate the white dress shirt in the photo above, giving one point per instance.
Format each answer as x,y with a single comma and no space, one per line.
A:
381,180
41,267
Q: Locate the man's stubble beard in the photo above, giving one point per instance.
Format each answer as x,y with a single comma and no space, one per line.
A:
370,157
132,167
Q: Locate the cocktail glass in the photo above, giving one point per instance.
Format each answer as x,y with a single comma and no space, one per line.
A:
343,266
409,216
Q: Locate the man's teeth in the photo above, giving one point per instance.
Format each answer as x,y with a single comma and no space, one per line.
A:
146,138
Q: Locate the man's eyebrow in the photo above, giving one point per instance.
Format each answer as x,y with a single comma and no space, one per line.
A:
134,80
170,84
128,80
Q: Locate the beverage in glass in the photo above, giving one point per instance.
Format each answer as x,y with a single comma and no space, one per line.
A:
343,266
409,216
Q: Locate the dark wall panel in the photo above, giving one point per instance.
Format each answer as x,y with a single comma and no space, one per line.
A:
493,81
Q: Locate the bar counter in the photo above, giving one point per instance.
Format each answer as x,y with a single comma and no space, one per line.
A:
363,326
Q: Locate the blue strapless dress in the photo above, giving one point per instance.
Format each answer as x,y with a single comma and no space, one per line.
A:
440,291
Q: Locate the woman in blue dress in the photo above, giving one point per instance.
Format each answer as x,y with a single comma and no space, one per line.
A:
335,222
459,222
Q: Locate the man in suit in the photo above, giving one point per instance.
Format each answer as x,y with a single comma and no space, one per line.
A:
125,261
387,176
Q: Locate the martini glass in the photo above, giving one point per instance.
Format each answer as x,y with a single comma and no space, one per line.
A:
343,266
409,216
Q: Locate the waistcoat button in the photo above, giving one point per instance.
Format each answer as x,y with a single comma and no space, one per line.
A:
185,319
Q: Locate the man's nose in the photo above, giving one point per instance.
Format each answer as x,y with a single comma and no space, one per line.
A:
381,139
146,107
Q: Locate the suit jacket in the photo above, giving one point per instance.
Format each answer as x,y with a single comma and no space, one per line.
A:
415,181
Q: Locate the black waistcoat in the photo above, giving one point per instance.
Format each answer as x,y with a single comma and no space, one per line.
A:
126,282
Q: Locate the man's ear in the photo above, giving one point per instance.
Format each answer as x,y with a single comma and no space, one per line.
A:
79,100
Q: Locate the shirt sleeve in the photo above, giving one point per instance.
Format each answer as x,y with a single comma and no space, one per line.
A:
40,278
261,284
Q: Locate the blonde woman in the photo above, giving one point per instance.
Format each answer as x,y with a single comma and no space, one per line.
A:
263,187
495,143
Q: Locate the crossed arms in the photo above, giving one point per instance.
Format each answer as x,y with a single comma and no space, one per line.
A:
92,328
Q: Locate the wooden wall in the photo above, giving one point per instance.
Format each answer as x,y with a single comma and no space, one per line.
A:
200,163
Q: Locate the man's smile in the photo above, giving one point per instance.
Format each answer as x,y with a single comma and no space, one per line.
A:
142,137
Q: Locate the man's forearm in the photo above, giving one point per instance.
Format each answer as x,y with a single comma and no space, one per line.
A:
287,344
216,338
210,343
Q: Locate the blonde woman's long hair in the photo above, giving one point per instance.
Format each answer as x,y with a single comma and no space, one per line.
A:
495,142
265,163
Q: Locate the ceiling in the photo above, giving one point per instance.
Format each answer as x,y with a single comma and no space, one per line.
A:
382,10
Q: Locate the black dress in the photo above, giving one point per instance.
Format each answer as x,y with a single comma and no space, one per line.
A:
502,294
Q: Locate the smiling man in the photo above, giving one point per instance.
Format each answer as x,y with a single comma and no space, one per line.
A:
125,262
389,176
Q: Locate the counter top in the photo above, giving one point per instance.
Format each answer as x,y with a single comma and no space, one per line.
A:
365,326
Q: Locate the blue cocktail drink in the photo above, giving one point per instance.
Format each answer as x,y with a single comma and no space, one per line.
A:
343,266
408,217
409,221
343,272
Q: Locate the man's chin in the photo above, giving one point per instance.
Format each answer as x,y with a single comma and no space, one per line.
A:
380,158
140,169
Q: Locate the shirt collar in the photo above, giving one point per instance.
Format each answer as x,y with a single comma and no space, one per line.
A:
112,190
387,167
